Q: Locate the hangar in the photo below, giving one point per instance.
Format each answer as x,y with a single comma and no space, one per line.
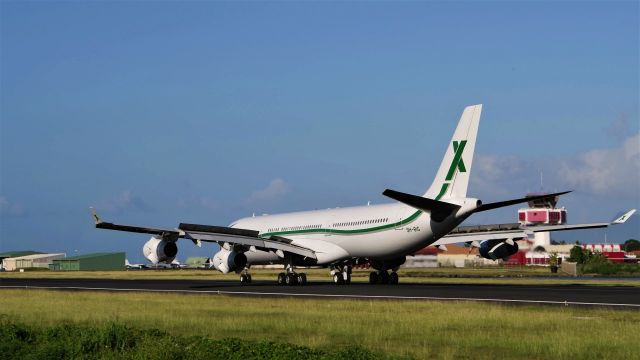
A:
96,261
11,254
30,261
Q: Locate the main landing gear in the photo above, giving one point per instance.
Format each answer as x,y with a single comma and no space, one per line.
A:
245,277
383,277
291,278
341,274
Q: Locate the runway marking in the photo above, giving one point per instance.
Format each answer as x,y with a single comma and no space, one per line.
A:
382,297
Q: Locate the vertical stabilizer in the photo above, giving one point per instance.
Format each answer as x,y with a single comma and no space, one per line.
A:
452,178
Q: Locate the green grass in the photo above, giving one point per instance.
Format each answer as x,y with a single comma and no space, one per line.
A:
484,275
116,341
418,329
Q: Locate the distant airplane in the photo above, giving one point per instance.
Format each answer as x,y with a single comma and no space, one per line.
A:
130,266
173,264
338,238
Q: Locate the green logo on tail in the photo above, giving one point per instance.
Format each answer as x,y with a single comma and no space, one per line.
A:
457,163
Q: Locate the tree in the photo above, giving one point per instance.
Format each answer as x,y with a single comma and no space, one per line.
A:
579,255
631,245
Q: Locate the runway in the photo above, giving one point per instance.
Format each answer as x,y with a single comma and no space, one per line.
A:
584,295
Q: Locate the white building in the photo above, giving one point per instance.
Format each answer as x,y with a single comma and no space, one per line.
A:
31,261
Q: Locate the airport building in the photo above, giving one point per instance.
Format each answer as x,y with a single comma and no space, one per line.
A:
535,250
96,261
197,262
30,261
11,254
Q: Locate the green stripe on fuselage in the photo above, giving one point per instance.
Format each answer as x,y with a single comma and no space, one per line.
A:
456,163
402,222
411,218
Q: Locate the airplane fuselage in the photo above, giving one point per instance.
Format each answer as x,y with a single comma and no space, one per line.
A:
377,231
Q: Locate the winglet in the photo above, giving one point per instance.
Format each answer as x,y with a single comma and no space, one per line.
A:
622,219
96,218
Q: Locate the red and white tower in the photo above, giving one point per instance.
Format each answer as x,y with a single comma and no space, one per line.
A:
542,212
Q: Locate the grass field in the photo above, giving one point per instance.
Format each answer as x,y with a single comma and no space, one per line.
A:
417,329
488,275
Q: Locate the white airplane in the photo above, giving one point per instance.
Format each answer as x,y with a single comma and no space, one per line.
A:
338,238
131,266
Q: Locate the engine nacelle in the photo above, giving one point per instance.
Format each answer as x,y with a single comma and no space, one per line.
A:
160,251
498,249
229,260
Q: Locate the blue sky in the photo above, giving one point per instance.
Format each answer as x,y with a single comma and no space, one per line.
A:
160,113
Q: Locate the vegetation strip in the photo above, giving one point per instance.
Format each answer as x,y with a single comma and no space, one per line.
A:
418,329
113,340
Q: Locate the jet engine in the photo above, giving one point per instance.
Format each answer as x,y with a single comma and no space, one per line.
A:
160,251
498,249
229,260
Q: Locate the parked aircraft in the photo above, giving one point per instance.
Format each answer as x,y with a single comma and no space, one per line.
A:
131,266
338,238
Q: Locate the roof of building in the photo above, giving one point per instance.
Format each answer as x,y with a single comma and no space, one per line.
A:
87,256
429,250
559,248
453,249
12,254
37,256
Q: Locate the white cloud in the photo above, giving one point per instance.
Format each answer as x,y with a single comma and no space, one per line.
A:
11,209
125,201
606,171
275,189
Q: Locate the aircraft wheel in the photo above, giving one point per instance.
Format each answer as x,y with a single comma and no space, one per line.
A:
383,277
244,279
302,279
281,278
347,278
290,279
393,278
373,277
337,278
249,278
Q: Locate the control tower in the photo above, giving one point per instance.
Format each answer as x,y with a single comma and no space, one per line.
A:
542,212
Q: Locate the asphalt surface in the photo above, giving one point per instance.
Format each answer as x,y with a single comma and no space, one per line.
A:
588,295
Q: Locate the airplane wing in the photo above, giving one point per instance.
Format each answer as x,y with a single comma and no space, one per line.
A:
243,237
479,233
515,231
218,234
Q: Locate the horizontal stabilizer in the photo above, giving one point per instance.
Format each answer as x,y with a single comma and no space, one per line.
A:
439,209
499,204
